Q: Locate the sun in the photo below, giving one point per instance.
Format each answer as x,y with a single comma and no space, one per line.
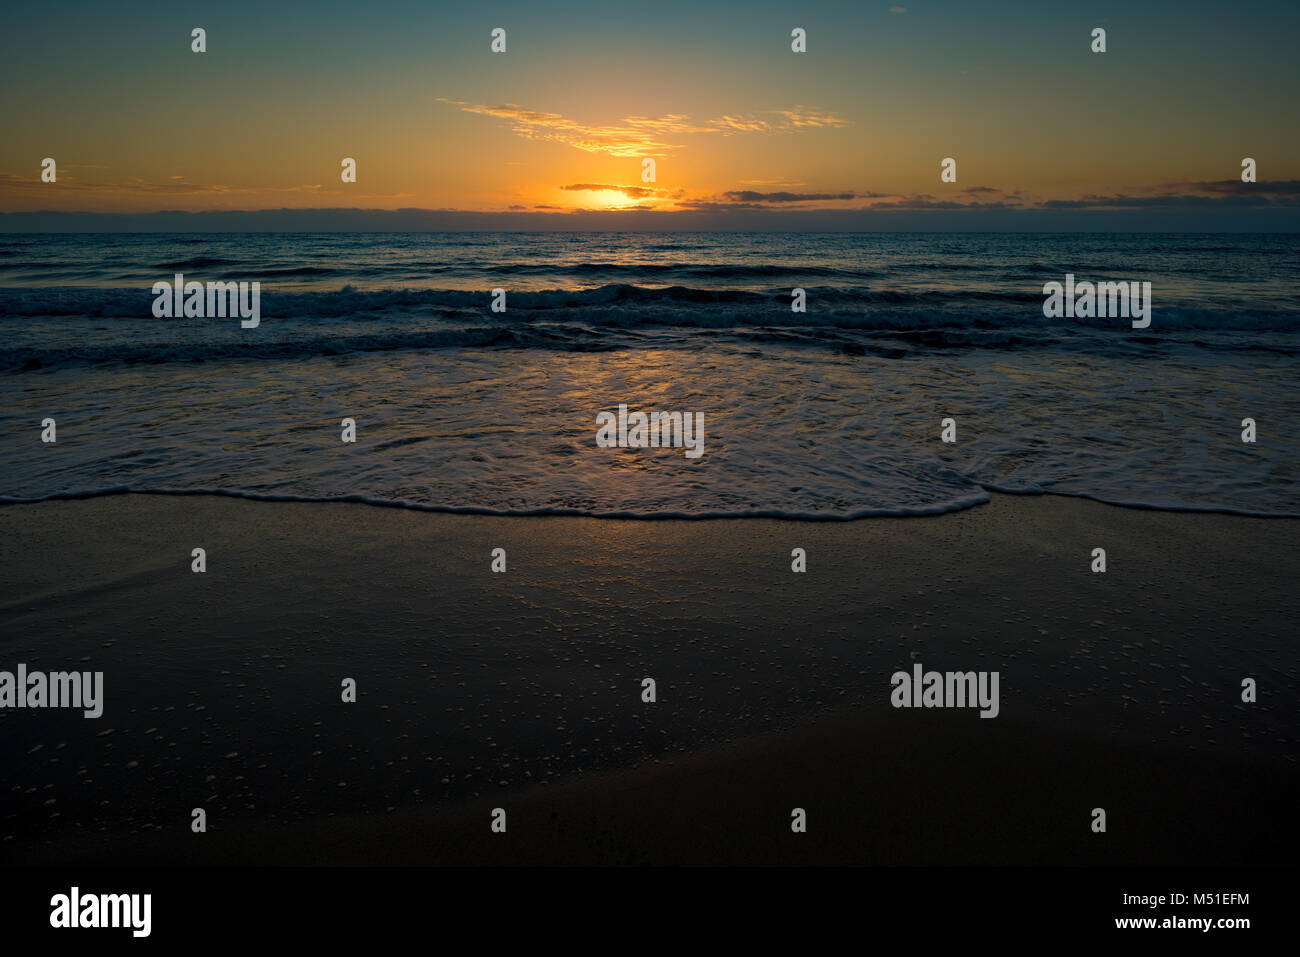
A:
605,199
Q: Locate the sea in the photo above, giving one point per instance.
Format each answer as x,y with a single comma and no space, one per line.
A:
834,412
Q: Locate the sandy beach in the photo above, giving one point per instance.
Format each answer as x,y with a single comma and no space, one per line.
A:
523,690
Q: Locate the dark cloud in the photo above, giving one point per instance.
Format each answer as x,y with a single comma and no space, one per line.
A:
750,196
1203,195
1283,187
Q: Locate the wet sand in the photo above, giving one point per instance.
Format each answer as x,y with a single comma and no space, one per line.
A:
523,690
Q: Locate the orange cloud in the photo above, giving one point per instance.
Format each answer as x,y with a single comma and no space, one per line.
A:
638,136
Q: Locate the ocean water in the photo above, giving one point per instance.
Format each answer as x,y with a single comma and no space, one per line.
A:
833,413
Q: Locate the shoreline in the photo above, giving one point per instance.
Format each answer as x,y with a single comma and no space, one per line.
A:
550,512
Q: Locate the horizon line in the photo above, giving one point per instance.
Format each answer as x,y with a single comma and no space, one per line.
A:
1274,219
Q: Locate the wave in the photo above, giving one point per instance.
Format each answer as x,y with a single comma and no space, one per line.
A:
32,359
350,301
855,320
198,262
684,270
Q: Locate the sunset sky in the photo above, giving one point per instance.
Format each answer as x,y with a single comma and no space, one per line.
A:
733,119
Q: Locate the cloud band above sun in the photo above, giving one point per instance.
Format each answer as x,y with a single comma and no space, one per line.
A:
634,137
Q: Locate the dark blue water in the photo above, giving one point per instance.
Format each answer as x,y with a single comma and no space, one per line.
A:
832,412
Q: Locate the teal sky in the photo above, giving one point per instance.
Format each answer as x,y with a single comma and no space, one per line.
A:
735,121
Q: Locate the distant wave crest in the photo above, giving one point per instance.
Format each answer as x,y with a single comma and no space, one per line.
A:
342,321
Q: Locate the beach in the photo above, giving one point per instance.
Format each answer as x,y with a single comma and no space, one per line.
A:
440,452
523,689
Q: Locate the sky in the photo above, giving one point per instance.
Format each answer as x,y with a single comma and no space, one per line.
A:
741,129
